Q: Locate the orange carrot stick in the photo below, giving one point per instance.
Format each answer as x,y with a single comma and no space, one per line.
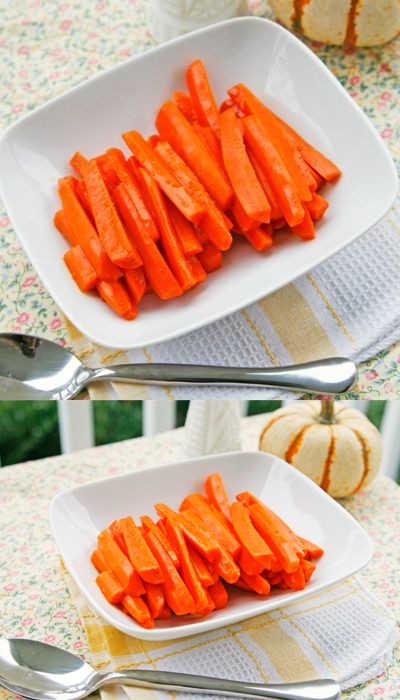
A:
98,560
197,269
210,257
117,298
275,538
164,177
185,104
118,562
185,231
200,565
308,568
174,128
240,170
296,579
110,587
245,222
85,233
305,229
80,268
317,207
213,221
78,162
224,565
197,535
275,169
313,551
81,193
156,269
202,95
169,241
61,223
216,494
118,537
111,231
176,592
187,569
248,536
150,525
218,594
136,283
260,237
137,608
212,143
139,553
155,598
248,563
256,583
276,211
196,503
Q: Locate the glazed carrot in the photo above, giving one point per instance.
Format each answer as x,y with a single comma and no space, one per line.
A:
210,257
197,535
153,140
164,177
111,231
114,294
185,231
170,242
156,269
98,560
320,163
174,128
81,192
139,553
240,170
219,595
248,563
196,503
165,613
110,587
200,565
197,269
78,162
85,234
275,169
176,592
260,237
305,229
276,212
275,538
118,537
317,207
61,223
243,221
137,608
256,583
308,568
185,104
118,163
224,564
202,95
213,221
136,283
243,585
296,579
133,166
155,598
248,499
109,176
212,143
250,104
313,551
150,525
187,569
216,494
80,268
248,535
118,562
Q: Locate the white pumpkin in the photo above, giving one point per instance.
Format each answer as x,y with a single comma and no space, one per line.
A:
350,22
337,447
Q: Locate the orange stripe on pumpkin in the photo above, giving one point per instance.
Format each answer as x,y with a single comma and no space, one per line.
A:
297,17
273,421
296,443
351,33
326,475
365,454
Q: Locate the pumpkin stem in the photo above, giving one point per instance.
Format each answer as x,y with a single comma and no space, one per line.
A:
327,414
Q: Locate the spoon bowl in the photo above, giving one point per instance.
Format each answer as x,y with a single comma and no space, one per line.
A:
44,672
36,368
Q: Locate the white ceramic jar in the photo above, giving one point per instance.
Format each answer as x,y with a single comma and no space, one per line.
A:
168,19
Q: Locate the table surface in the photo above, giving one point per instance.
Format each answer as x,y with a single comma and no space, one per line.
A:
34,598
47,46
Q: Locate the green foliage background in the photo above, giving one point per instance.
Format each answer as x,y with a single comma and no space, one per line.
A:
29,429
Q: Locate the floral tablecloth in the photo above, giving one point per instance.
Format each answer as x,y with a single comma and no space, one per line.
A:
47,46
34,598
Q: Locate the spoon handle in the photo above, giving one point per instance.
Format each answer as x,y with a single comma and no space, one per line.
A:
324,689
331,376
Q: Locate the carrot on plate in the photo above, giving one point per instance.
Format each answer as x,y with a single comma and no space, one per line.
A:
260,237
155,598
275,169
248,536
185,231
317,207
185,104
165,178
177,595
137,608
187,569
313,551
79,162
85,233
150,525
217,495
305,229
197,503
201,567
139,553
210,257
119,564
256,582
156,269
202,96
174,128
80,268
61,223
198,537
169,241
240,170
114,294
110,586
275,538
218,594
136,283
98,560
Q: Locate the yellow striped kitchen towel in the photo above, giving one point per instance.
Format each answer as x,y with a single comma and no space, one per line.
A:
343,633
346,306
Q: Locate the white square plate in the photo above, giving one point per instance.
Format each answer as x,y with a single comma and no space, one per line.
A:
35,151
78,514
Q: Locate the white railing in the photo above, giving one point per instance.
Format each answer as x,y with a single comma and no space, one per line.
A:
76,426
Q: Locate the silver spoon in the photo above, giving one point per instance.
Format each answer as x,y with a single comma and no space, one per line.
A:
32,367
45,672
